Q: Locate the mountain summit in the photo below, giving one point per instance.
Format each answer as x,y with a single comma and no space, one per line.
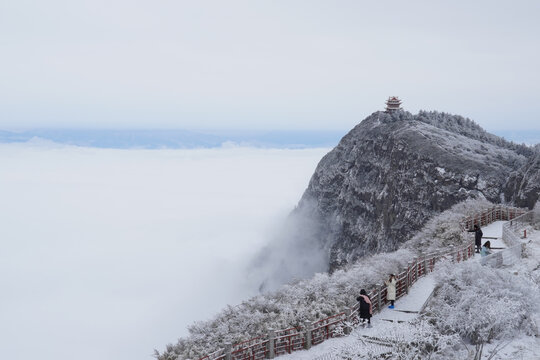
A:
392,173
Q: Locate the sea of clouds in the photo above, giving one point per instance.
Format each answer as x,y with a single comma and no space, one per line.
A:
108,254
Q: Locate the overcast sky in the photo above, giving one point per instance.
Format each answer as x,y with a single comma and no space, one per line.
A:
265,64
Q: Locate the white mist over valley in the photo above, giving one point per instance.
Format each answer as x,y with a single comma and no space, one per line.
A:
108,254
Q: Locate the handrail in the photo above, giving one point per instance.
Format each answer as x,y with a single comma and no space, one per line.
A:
490,215
510,236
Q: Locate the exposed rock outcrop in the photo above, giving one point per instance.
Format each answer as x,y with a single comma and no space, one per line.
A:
523,186
394,171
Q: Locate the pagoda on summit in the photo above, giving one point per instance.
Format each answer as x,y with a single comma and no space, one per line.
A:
393,104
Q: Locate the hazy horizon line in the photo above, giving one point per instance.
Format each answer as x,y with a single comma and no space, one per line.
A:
188,138
177,138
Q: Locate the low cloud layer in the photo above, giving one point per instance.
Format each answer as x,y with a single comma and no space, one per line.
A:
294,252
110,253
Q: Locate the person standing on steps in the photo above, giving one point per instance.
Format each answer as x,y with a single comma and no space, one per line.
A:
391,290
365,310
477,237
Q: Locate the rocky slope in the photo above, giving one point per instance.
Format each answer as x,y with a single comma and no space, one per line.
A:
523,185
393,172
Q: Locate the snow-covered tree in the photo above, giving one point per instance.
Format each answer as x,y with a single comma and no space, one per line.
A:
483,304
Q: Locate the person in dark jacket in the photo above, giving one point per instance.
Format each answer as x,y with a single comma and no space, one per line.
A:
365,309
477,237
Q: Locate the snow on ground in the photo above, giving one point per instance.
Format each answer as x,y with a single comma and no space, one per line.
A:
494,230
523,347
408,306
493,234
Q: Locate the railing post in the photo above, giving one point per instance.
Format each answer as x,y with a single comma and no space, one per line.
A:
308,326
228,351
416,265
271,344
380,288
407,278
348,329
442,254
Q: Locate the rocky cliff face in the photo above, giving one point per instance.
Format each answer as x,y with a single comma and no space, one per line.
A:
523,185
394,171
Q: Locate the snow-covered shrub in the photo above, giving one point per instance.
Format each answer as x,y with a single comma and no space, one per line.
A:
323,295
467,127
444,230
417,340
421,340
481,303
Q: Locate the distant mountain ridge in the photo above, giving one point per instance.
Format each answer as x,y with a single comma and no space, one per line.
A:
393,172
185,139
175,139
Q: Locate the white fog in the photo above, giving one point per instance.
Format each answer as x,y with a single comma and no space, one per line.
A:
108,254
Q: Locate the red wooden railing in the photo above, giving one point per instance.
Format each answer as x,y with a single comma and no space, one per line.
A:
325,328
288,340
253,349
